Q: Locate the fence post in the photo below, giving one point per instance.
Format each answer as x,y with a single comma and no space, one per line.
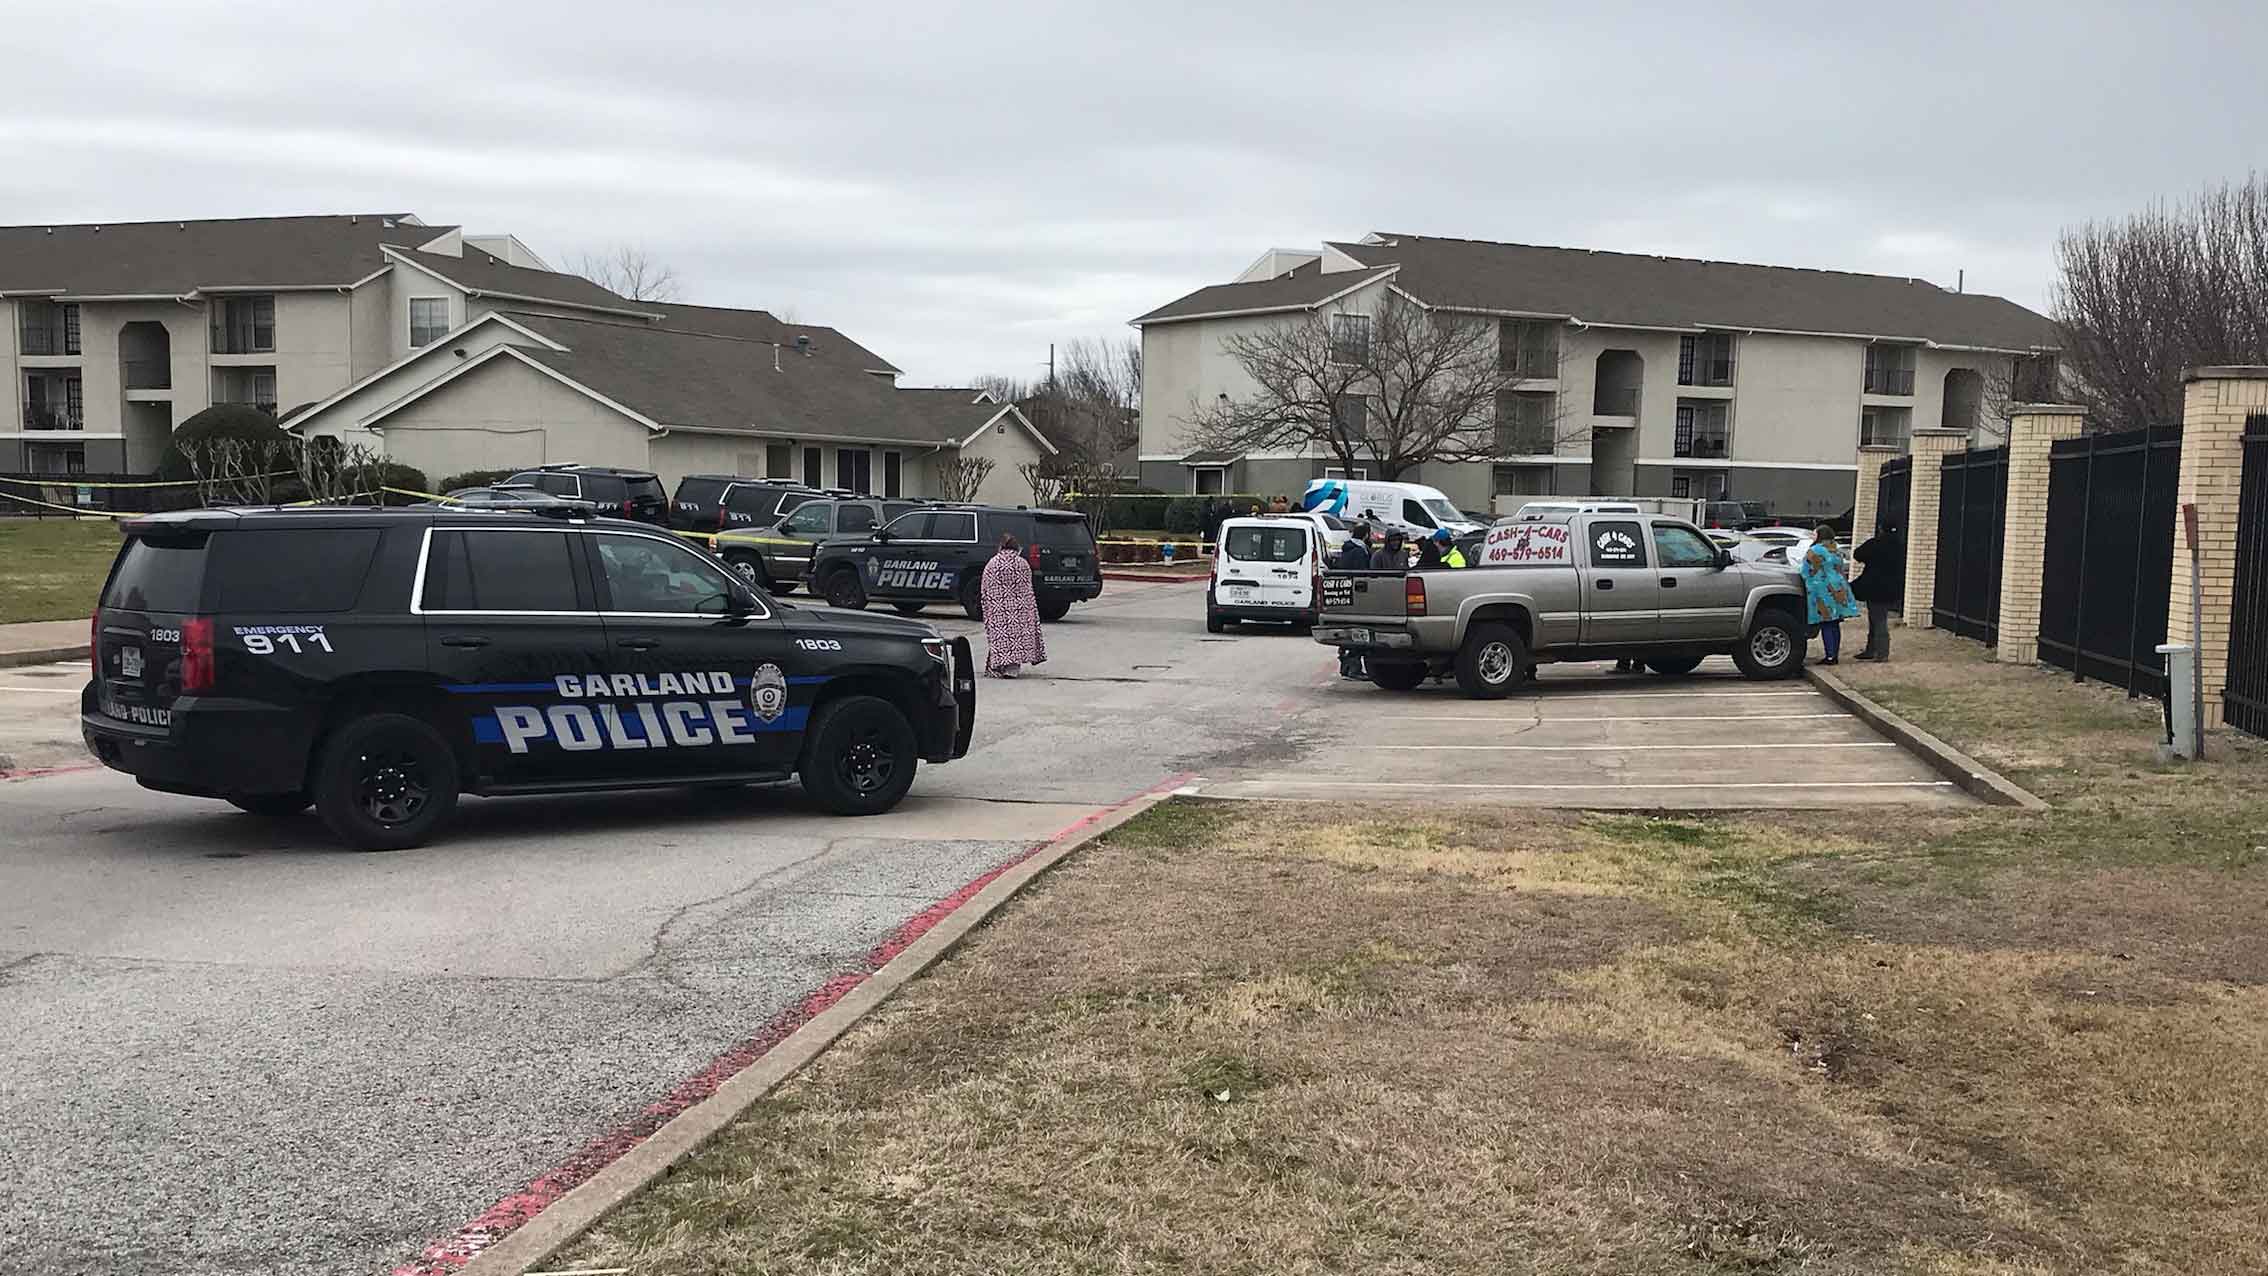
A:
1929,452
2033,429
1871,459
2214,405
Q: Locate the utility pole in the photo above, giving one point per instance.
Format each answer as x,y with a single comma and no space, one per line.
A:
1051,367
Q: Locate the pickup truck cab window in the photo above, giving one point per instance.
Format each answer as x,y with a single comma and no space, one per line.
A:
1676,546
812,519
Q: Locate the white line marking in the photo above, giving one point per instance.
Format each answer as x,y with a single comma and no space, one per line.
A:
1548,696
1353,783
42,691
1674,717
1625,748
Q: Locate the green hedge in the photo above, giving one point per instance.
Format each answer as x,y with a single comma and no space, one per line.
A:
1160,509
473,478
408,478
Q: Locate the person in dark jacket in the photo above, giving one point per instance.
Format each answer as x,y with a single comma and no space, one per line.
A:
1428,553
1354,554
1390,557
1881,586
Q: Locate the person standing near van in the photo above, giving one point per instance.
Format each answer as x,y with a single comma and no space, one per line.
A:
1011,613
1881,586
1828,591
1445,548
1390,556
1354,554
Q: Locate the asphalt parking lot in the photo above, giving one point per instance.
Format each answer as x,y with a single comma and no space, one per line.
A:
1577,737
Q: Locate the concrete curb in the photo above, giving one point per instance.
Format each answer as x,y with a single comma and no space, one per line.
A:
42,656
632,1172
1965,771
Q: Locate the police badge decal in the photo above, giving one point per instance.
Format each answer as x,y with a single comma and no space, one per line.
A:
767,693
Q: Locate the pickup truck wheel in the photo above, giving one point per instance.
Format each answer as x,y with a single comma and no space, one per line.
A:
1773,647
1397,675
1492,662
1674,666
859,756
751,569
844,589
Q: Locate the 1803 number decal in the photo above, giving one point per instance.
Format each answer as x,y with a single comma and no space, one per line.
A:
818,644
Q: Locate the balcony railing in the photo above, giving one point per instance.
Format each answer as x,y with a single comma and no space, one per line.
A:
1615,403
1883,434
1710,372
265,405
1525,440
49,340
148,374
1889,380
1705,445
40,417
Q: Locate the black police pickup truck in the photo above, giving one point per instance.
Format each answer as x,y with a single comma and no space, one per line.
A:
937,554
378,663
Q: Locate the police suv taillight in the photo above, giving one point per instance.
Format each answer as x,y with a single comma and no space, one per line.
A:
197,654
1413,595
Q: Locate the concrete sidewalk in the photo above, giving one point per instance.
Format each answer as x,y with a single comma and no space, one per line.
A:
42,642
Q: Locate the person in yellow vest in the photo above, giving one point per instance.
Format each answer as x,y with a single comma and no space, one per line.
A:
1451,556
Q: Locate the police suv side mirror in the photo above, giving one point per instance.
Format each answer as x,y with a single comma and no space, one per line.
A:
881,535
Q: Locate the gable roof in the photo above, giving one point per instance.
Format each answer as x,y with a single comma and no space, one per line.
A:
178,257
1300,289
827,344
1638,290
478,272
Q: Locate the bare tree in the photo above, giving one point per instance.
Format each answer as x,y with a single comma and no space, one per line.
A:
1091,408
2173,287
628,271
1049,486
1388,392
959,477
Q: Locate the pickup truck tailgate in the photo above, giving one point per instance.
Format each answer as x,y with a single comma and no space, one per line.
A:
1373,597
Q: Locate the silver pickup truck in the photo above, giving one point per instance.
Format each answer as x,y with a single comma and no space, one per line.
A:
1577,587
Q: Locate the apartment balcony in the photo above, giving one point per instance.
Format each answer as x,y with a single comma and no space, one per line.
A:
1705,445
147,376
1526,440
1615,402
1894,381
44,417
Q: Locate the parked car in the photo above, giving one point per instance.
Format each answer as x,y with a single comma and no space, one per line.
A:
1264,569
938,554
722,502
778,556
631,494
1588,587
1736,515
503,496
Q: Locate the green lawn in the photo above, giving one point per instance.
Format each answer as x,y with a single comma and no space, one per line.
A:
51,569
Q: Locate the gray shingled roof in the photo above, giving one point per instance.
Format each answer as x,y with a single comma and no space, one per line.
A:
175,258
1298,288
1658,292
713,382
827,344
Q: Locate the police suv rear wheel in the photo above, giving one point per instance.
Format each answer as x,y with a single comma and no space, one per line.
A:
385,782
909,608
1054,610
274,806
971,594
844,589
859,756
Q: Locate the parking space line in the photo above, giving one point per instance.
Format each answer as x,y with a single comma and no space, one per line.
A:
41,691
1673,717
1353,782
1660,695
1624,748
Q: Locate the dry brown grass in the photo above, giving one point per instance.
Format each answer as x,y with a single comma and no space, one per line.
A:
1297,1039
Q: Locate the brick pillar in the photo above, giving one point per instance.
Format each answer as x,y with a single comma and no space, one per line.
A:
1929,450
2214,405
1870,462
2032,428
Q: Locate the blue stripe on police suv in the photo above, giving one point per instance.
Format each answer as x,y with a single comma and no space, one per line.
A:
617,725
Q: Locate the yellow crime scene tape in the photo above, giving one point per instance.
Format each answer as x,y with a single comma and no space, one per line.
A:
68,509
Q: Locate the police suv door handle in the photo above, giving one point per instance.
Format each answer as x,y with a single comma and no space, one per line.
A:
640,644
464,640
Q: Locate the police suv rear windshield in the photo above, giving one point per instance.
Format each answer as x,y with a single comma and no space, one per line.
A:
1061,533
158,574
699,491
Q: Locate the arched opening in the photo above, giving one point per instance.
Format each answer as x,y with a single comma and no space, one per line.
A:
1964,397
1614,386
145,356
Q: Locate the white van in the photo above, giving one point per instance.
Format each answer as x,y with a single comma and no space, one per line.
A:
1264,569
1410,508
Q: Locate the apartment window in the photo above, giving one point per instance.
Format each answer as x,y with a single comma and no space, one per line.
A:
779,461
854,469
1358,473
1208,480
1704,428
1350,339
1351,418
1885,427
1889,369
244,325
2034,380
428,320
1705,358
1521,480
264,392
893,474
46,328
1681,485
1523,423
814,463
53,401
1528,348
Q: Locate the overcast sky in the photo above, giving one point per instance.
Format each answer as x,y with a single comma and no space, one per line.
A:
957,185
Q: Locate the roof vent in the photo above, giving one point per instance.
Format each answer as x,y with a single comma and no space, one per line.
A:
803,343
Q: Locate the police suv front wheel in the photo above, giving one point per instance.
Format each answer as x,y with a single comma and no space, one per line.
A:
859,756
385,782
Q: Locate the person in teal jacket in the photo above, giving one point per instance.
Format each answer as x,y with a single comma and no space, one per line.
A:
1828,590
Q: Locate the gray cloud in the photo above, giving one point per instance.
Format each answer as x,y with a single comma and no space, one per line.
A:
959,184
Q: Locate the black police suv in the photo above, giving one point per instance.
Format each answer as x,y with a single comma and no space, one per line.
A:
378,663
722,502
938,553
633,494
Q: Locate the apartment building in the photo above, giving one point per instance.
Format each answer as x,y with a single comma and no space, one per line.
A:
1630,374
112,334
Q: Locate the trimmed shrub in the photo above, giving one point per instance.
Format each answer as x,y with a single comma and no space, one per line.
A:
220,421
473,478
407,478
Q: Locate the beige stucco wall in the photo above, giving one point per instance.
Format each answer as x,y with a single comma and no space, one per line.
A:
370,311
343,419
1007,445
405,282
1794,399
313,357
1185,367
506,414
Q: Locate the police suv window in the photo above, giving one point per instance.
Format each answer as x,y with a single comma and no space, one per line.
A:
1059,533
1618,545
480,569
856,518
913,527
812,518
1681,547
893,509
158,574
953,527
647,575
291,569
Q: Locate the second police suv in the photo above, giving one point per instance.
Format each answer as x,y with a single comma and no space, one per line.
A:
376,664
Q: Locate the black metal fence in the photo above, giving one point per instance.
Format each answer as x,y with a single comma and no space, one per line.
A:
1971,503
2108,573
1893,500
2244,700
69,495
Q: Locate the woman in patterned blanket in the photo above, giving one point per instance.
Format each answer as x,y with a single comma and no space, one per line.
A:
1011,614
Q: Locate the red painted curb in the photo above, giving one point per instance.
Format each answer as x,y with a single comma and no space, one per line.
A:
507,1215
39,771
